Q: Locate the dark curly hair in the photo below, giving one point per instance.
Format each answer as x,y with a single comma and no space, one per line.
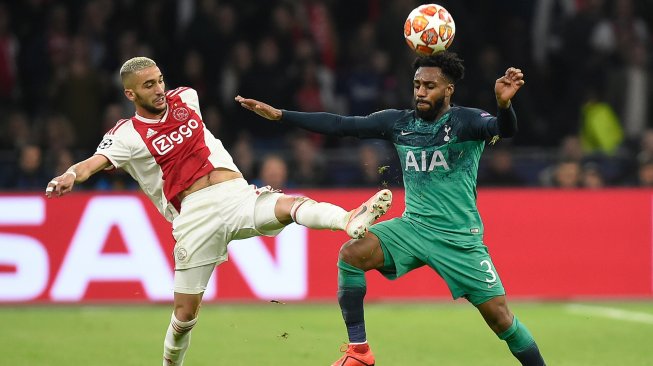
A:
451,65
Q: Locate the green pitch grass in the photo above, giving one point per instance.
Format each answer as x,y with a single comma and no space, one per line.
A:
442,334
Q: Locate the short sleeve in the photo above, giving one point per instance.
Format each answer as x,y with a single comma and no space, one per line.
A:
190,97
114,148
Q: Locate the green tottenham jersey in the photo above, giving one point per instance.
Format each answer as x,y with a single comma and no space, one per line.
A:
439,159
440,163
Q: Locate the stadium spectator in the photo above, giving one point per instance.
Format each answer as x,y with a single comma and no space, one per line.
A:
284,28
440,146
167,138
305,55
548,21
62,160
114,180
234,75
8,58
29,173
16,131
112,113
575,65
487,64
273,172
601,132
213,121
79,92
571,148
629,90
316,17
212,32
308,163
642,157
592,177
269,71
500,171
58,133
567,175
619,29
372,169
308,95
245,156
194,75
645,174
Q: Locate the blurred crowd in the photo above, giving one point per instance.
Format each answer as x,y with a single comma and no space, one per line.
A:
585,113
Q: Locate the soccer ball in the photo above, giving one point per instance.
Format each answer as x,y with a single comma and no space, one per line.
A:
429,29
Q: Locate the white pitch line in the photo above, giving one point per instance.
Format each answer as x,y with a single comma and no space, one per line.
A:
612,313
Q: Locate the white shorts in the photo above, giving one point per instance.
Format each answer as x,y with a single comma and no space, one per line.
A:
212,217
193,280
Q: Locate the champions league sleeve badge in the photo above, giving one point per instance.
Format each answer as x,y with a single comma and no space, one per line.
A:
105,144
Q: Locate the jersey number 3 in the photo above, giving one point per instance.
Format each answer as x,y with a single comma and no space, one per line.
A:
493,276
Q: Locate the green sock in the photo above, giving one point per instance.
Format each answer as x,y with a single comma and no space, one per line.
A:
521,344
351,293
350,276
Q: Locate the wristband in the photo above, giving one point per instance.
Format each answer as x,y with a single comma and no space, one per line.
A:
71,172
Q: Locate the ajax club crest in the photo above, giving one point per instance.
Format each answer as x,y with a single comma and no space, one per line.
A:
180,114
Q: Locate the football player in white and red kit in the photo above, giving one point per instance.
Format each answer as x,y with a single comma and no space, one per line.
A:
193,181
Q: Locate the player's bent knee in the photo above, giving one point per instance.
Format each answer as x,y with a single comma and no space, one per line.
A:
500,322
272,212
364,253
496,314
347,253
185,315
187,311
284,205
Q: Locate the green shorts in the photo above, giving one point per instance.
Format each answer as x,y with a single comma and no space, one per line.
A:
465,265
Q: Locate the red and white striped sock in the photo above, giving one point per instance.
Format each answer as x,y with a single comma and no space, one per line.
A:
318,215
177,341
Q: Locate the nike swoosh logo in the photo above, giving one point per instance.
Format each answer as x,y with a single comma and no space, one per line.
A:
362,211
490,285
404,133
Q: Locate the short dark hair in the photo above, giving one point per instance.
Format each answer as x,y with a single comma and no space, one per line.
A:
451,65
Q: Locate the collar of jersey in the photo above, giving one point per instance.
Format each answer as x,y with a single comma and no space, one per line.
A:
150,120
434,125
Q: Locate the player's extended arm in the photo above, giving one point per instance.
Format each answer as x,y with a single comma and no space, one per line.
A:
77,173
505,89
264,110
375,125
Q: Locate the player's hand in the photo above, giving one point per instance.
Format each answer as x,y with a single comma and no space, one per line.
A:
260,108
506,86
60,185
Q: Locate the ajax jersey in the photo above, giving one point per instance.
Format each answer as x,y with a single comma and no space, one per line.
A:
165,156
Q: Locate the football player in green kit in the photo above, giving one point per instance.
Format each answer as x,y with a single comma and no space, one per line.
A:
439,146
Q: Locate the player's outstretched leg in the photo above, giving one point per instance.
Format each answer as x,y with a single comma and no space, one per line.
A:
324,215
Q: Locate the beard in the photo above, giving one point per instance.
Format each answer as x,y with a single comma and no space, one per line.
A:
150,107
431,113
154,110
